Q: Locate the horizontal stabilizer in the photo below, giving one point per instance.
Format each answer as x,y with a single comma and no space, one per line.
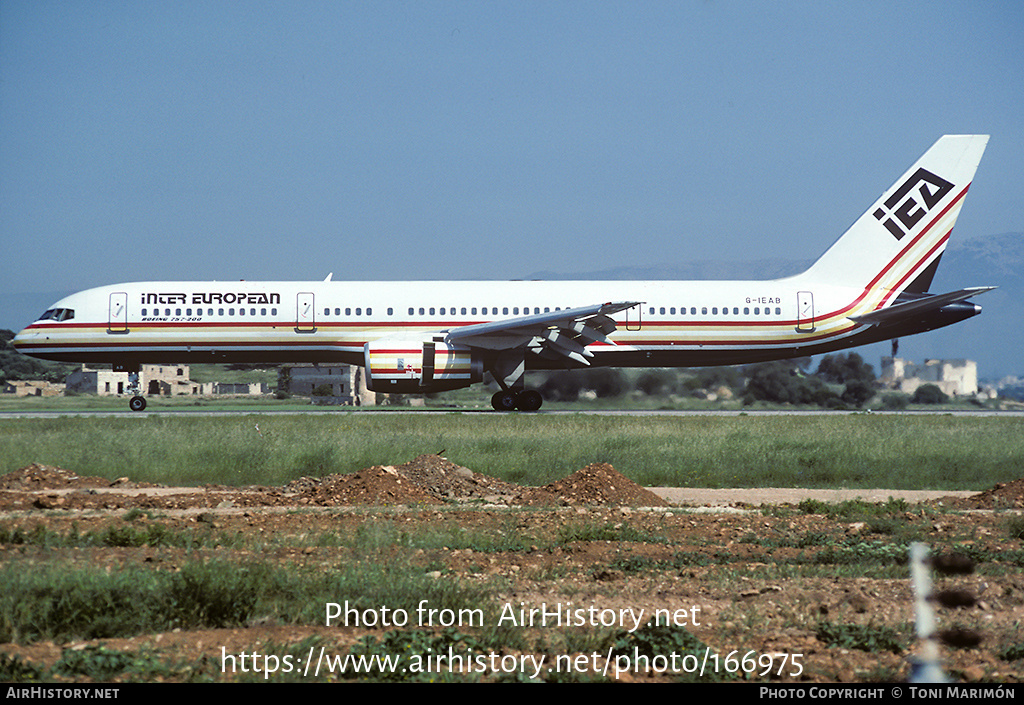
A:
919,306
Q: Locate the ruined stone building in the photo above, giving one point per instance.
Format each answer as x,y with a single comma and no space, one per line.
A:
163,380
956,378
347,383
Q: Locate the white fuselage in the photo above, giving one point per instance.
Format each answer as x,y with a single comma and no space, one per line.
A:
332,321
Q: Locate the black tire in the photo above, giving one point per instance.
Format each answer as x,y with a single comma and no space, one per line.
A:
504,401
530,400
137,404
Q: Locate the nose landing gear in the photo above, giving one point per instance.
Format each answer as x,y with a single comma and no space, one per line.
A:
137,402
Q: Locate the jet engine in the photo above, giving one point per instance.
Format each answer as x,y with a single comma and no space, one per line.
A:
418,366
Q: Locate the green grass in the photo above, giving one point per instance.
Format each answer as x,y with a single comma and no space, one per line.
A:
65,602
824,451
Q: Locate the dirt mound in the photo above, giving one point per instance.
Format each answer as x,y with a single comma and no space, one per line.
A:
428,479
598,483
433,479
47,477
449,481
381,485
1005,495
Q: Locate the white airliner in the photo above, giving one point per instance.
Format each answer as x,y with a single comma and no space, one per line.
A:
431,336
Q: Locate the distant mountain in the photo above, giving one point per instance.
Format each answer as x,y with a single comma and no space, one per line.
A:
995,339
702,270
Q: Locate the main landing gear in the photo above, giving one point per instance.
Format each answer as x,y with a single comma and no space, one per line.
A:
508,369
510,400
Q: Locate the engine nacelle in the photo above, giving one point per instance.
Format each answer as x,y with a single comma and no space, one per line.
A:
418,366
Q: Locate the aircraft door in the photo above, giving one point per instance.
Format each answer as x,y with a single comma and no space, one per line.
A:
633,317
305,321
118,321
804,311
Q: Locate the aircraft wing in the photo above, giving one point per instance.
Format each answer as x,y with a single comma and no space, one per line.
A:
918,306
564,333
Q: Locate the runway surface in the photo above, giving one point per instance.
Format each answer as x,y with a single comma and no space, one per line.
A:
181,411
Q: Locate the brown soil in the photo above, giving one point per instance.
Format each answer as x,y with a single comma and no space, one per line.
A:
704,563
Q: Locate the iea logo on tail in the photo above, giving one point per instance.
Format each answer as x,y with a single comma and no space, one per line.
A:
903,207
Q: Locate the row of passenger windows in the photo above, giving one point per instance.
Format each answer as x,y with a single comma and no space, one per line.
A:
451,311
704,311
359,311
64,314
188,312
472,311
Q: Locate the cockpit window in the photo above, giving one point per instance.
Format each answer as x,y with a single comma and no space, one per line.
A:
58,314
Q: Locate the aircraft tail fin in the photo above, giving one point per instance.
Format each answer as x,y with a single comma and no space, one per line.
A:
897,243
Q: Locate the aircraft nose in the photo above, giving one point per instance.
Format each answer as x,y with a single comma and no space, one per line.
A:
22,338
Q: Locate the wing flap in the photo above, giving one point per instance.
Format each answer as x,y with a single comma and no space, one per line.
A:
564,333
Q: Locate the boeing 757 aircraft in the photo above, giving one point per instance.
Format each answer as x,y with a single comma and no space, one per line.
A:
431,336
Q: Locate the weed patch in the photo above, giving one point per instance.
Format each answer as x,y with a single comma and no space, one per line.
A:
870,638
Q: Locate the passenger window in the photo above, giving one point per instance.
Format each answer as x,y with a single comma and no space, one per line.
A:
369,312
143,313
359,311
263,312
704,310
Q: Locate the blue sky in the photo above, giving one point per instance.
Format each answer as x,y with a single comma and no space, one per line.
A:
479,140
